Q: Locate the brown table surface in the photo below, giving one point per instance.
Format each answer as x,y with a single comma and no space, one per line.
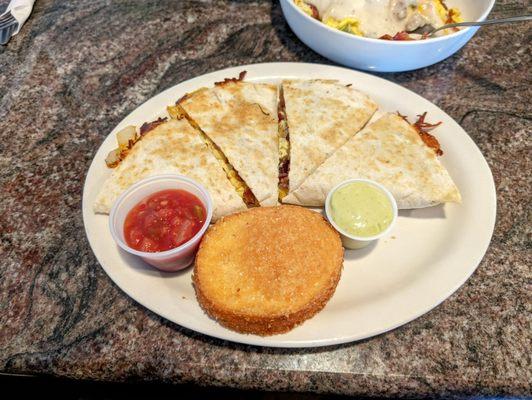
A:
78,67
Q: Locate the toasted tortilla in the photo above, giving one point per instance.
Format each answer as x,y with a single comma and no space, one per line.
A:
391,152
171,147
321,115
241,119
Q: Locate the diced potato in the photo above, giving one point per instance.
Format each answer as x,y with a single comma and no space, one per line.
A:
126,135
113,158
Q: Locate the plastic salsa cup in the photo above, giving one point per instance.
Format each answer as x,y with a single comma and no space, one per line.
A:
170,260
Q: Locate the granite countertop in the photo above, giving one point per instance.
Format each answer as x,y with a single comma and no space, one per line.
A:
78,67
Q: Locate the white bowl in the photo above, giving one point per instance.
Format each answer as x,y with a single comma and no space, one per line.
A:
173,259
352,241
383,55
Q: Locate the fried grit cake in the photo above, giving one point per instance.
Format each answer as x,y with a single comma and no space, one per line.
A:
268,269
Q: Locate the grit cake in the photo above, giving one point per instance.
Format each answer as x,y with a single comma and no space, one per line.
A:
268,269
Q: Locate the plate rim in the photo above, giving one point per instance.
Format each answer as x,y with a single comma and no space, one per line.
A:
291,343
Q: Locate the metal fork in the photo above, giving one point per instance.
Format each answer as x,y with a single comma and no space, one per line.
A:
8,25
430,30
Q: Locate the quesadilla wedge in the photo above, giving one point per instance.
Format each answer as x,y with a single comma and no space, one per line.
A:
319,116
164,147
391,152
240,119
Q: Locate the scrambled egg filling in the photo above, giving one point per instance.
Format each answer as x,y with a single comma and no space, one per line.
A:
304,7
240,186
349,25
454,13
284,146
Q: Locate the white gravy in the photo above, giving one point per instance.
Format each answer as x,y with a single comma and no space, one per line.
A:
376,17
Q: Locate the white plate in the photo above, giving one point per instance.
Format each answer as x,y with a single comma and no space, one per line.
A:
428,256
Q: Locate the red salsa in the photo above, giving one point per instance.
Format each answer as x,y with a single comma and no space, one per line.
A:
164,220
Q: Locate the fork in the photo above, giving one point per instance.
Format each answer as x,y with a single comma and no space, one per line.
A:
430,30
8,24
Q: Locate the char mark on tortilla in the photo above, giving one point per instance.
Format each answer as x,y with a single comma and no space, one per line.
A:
240,78
148,126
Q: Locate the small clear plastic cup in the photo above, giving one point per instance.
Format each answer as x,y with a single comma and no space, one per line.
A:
173,259
352,241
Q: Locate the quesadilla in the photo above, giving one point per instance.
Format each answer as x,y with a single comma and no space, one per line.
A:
391,152
168,147
316,118
240,121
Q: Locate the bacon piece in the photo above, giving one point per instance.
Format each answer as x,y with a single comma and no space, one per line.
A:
431,141
284,169
283,179
450,16
249,198
403,117
284,163
315,12
398,36
450,19
422,127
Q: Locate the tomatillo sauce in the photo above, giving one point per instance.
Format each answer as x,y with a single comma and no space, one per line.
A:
361,209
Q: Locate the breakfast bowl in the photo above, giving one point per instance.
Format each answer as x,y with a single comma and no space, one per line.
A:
383,55
361,210
142,193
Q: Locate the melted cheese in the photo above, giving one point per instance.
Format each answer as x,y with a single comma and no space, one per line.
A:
284,145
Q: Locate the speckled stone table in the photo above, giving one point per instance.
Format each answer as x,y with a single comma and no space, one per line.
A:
78,67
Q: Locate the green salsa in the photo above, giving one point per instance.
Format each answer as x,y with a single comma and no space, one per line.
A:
361,209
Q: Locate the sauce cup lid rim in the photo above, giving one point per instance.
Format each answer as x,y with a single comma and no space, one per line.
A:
167,253
382,188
